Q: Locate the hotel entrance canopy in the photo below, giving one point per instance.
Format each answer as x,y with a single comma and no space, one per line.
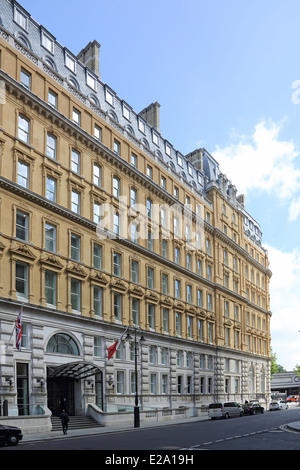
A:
74,370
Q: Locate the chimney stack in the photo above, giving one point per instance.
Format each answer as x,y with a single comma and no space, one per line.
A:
151,115
89,56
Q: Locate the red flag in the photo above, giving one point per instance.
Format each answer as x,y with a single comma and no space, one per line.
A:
19,329
112,349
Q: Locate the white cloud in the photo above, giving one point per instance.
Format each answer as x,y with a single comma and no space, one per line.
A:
263,162
285,305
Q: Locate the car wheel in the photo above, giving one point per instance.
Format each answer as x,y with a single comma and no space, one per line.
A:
12,440
226,415
253,412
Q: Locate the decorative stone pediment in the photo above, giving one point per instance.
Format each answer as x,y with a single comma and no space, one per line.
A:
22,250
152,296
98,276
136,290
179,305
118,284
51,259
166,301
77,269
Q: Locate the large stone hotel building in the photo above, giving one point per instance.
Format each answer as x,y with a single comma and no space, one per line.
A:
106,229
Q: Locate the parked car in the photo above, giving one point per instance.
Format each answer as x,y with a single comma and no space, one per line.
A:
292,398
278,405
10,435
253,408
224,410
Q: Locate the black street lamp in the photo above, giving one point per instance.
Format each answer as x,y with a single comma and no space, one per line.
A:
136,399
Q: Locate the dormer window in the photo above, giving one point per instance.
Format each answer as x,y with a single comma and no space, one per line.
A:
21,18
70,62
90,81
47,42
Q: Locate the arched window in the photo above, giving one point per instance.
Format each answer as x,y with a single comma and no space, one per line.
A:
62,343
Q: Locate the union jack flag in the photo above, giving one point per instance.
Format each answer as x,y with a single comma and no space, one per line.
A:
19,329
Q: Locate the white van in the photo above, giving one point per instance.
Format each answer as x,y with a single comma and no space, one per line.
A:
224,409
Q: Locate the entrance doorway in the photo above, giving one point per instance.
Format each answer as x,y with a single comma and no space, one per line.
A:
61,396
64,385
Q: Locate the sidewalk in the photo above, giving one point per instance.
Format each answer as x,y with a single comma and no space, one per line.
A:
105,429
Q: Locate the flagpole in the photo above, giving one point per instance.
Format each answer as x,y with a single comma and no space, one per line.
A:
11,335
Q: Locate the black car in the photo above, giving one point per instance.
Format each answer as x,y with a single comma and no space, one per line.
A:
253,408
10,435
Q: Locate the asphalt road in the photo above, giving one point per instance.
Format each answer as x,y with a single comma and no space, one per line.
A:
260,432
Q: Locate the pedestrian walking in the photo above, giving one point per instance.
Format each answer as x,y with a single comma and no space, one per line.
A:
64,421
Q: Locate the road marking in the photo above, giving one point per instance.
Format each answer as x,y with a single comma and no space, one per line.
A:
234,437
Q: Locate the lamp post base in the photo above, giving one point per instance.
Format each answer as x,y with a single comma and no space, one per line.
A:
136,416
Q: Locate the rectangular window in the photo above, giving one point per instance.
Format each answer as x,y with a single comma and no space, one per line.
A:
75,294
75,161
97,213
98,346
75,247
117,147
164,248
134,271
164,282
97,132
75,202
116,187
97,175
70,63
109,97
178,323
23,174
165,320
23,129
90,81
51,146
120,382
50,287
153,383
117,264
151,310
47,42
22,226
98,299
97,256
177,289
133,160
189,293
150,277
50,237
22,279
135,311
117,306
76,116
52,99
25,78
51,189
21,18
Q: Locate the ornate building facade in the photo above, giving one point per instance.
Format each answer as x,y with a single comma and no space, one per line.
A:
104,225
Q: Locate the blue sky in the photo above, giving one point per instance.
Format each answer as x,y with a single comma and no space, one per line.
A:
227,77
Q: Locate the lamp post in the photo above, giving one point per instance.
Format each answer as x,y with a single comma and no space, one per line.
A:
136,398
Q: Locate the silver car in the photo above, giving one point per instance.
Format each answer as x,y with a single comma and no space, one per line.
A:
224,409
278,405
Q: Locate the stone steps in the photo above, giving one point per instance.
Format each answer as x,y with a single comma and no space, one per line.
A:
75,422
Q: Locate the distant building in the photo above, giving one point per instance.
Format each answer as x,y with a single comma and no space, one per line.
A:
287,383
104,225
